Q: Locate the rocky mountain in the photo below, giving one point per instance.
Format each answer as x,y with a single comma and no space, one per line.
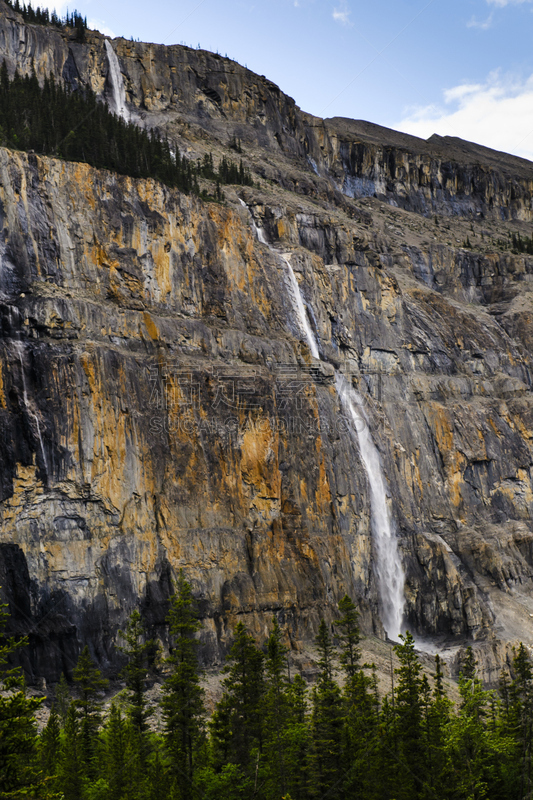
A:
170,371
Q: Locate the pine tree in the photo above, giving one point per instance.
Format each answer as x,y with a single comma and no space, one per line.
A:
361,731
158,778
297,741
276,713
90,686
468,664
62,699
504,689
389,774
436,715
47,119
236,726
182,703
18,733
349,636
115,741
327,721
521,715
138,755
137,651
476,752
412,767
71,765
50,748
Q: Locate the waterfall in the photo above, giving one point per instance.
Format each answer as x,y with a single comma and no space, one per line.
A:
293,287
19,347
389,570
117,83
259,232
298,305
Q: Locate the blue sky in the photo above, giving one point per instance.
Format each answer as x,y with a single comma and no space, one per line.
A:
461,68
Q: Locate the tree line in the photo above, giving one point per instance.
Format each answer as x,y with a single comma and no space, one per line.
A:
522,244
270,736
75,125
42,16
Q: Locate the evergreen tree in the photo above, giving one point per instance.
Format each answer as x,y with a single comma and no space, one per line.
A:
71,764
62,699
477,754
18,734
236,727
520,715
53,120
388,761
182,703
349,636
361,704
138,750
138,652
436,714
327,721
504,689
468,664
275,712
412,767
159,786
90,686
297,741
362,735
115,741
50,748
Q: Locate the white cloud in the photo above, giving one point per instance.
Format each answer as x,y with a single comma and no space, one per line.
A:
497,113
503,3
483,24
59,7
462,91
342,15
99,25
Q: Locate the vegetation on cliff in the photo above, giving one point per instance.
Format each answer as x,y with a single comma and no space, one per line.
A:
522,244
42,16
53,120
269,736
18,735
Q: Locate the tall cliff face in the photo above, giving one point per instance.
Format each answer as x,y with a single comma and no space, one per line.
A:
160,408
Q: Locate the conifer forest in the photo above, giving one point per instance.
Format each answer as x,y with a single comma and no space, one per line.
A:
270,736
77,126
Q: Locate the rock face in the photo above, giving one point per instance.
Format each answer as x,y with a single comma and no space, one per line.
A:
160,408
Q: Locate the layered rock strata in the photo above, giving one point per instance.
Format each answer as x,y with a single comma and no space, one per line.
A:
159,409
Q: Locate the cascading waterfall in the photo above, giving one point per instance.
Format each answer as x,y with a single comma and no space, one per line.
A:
298,304
117,83
293,287
389,570
19,347
259,232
